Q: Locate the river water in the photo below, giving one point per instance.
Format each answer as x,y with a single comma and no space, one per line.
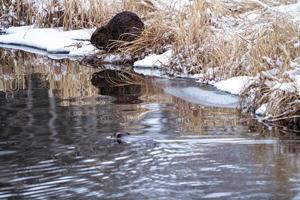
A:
57,119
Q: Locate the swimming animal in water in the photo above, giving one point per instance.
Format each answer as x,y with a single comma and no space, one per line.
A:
118,136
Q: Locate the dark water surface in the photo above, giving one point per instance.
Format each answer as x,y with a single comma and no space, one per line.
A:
55,128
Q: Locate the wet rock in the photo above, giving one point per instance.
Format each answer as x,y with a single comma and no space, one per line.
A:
125,26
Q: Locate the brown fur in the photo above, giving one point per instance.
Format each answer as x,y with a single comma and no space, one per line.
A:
125,26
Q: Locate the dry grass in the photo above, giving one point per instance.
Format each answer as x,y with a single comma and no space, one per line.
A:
143,7
24,13
157,35
116,78
274,50
274,43
283,108
66,79
72,14
76,15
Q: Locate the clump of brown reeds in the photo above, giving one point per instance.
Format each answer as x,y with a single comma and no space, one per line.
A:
274,46
192,27
70,14
143,7
78,14
197,45
283,107
16,13
158,34
117,78
270,58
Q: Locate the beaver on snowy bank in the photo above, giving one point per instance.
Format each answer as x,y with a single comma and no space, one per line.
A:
125,26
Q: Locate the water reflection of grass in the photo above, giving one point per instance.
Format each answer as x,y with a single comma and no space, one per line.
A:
64,78
199,119
70,82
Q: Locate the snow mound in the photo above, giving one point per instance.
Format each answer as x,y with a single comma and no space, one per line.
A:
53,41
261,111
155,60
234,85
292,9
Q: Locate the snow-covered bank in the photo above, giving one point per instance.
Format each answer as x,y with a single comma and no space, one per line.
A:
234,85
237,85
53,41
154,63
155,60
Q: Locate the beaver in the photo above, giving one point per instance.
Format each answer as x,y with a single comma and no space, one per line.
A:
124,26
127,138
118,136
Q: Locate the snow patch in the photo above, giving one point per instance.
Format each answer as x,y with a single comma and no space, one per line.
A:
261,111
171,5
53,41
234,85
297,44
155,60
288,87
292,10
114,58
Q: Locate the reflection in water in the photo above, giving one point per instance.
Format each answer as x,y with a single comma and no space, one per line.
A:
125,86
54,141
66,79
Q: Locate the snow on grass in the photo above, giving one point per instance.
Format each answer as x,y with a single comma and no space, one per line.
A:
234,85
172,4
288,87
292,10
151,72
115,58
155,60
54,41
261,111
81,34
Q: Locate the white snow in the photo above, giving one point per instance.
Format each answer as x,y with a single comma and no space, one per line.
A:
53,41
234,85
288,87
81,34
155,60
297,44
151,72
114,58
203,97
261,111
171,4
217,195
293,10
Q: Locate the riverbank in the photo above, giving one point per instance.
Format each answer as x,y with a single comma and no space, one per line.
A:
248,48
